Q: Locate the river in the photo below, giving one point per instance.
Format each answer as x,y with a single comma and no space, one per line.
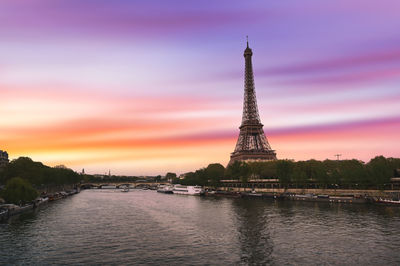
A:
109,227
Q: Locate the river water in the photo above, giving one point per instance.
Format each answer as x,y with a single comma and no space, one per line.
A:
109,227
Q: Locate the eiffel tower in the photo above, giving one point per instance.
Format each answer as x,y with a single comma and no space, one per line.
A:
252,145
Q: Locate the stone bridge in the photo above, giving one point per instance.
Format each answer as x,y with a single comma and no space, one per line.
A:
119,184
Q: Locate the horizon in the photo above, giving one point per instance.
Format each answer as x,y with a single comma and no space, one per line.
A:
106,173
151,88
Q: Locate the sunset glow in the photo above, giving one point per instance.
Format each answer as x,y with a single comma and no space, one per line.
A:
147,87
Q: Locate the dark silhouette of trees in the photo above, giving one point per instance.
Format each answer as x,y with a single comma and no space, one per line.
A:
19,191
239,170
215,172
284,169
37,173
170,175
331,174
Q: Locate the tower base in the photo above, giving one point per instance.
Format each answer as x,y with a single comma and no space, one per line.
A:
255,156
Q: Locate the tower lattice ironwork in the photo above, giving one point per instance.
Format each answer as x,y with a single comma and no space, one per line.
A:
252,145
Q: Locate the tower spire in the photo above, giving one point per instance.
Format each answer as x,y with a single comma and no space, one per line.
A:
247,40
252,145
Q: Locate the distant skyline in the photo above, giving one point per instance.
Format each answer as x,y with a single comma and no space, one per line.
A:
148,87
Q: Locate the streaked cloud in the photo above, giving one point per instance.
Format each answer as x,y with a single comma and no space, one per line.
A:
149,87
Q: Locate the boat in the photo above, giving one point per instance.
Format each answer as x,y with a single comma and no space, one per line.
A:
4,214
125,189
388,201
222,193
55,196
188,190
167,189
15,209
39,201
251,194
108,187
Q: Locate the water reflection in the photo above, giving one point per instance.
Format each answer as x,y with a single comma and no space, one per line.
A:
253,229
146,227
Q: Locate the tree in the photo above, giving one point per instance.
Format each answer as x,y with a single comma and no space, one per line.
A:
299,175
316,171
264,170
37,173
18,190
214,173
269,170
238,170
379,171
352,173
233,170
170,176
285,171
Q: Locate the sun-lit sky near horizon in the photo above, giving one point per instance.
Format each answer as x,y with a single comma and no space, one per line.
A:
148,87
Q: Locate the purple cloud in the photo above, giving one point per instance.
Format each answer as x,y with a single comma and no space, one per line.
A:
377,58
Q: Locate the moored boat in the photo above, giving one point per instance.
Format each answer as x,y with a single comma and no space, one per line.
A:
125,189
222,193
188,190
39,201
108,187
388,201
167,189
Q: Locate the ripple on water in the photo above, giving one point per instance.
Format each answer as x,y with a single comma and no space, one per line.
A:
145,227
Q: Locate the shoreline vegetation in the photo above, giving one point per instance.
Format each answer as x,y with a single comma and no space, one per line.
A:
25,184
328,174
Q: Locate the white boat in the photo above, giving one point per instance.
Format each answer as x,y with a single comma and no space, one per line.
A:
108,187
41,200
167,189
125,189
388,201
188,190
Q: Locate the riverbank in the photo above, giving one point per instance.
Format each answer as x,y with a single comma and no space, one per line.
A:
150,228
382,197
9,210
331,192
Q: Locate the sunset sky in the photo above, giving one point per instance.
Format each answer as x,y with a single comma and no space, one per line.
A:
147,87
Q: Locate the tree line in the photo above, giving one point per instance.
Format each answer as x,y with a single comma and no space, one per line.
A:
22,176
37,173
324,174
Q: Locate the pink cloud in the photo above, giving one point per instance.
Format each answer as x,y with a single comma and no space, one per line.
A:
344,105
363,60
338,127
119,19
346,78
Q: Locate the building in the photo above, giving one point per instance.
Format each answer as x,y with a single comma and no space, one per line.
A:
252,145
3,158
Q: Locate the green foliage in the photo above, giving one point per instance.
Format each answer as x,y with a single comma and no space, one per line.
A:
238,170
197,178
244,172
18,190
284,169
316,171
299,174
209,176
379,171
214,172
170,175
322,174
263,170
37,173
